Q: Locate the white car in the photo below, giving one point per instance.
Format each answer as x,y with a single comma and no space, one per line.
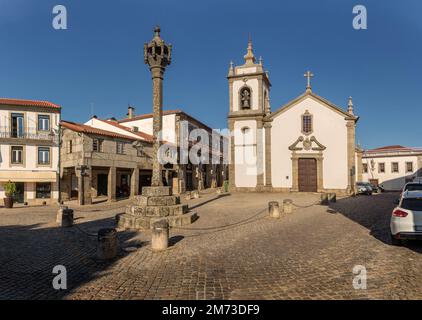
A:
406,219
412,186
417,180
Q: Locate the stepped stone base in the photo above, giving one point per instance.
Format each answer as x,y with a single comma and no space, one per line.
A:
155,203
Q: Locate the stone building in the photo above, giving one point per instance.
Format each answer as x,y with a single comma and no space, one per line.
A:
113,163
391,166
29,149
182,177
306,145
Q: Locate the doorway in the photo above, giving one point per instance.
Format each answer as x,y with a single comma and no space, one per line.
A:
102,181
308,175
19,195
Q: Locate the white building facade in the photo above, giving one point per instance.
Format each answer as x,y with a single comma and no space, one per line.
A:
391,167
177,128
307,145
29,149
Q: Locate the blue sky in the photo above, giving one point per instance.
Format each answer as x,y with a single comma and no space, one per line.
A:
99,58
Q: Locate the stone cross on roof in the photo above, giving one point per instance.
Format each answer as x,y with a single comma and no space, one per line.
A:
308,75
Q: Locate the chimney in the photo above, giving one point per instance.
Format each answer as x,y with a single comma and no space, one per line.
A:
130,111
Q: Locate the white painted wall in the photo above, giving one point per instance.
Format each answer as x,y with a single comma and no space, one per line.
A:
145,125
249,70
30,150
245,157
109,127
390,180
329,129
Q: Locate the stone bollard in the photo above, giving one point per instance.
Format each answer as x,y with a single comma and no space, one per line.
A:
219,191
287,206
60,213
64,217
188,196
332,197
160,235
324,199
107,243
274,209
195,194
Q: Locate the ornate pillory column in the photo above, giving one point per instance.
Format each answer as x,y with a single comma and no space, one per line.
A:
157,202
157,55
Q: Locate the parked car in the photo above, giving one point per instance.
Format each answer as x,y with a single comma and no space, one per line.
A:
375,188
412,186
406,219
417,180
363,188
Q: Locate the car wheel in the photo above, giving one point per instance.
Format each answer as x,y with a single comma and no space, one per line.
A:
396,242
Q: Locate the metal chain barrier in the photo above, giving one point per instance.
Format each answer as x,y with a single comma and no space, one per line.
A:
83,231
306,206
223,226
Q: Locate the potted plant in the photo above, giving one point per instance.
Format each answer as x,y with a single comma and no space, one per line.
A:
226,186
9,190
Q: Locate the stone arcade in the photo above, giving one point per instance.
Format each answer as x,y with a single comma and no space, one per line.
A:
157,201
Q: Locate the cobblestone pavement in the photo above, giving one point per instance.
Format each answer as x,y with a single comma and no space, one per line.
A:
308,254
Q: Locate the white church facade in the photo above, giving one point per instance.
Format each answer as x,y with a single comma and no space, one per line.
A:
307,145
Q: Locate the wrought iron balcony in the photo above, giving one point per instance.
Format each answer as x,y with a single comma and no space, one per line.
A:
28,134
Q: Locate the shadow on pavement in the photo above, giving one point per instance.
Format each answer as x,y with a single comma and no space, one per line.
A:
373,213
209,200
29,253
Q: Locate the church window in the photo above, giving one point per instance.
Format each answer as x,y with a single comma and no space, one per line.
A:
365,168
381,167
307,126
409,167
245,98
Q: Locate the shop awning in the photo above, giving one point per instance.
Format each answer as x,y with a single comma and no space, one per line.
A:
28,176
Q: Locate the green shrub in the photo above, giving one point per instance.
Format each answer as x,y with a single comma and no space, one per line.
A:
226,186
9,188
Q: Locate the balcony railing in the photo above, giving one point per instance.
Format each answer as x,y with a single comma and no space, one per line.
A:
29,133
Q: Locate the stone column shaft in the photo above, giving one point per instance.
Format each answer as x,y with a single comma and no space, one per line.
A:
134,182
268,180
232,172
87,190
260,155
351,170
111,184
157,101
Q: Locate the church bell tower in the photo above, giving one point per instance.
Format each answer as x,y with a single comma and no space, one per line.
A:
249,91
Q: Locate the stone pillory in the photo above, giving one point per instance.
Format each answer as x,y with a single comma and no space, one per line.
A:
157,55
157,202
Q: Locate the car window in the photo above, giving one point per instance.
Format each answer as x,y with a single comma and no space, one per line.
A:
414,187
412,204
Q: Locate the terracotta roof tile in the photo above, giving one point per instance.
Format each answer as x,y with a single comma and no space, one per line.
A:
32,103
393,148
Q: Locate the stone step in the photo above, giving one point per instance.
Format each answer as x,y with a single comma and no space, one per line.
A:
128,221
157,191
157,200
157,211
